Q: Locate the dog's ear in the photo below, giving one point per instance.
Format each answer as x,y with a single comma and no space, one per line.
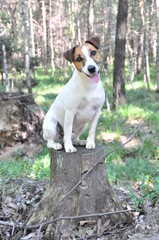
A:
94,41
69,54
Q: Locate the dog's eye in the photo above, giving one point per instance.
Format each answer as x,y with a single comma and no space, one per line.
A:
79,59
93,53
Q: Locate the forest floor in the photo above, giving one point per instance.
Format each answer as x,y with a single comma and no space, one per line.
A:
133,169
20,197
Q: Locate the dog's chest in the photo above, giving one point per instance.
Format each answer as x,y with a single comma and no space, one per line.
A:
87,108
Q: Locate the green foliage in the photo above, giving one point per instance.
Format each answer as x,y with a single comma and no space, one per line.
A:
49,86
40,168
148,186
137,167
15,168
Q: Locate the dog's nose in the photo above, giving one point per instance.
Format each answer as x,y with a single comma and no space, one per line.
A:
91,68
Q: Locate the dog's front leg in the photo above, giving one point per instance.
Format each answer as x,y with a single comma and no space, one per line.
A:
91,136
68,124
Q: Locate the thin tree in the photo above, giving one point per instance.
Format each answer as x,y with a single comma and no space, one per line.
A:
31,29
5,68
146,45
119,61
51,38
157,46
90,19
44,36
27,48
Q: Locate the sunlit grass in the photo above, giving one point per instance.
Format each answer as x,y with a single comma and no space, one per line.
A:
130,111
41,166
37,168
48,87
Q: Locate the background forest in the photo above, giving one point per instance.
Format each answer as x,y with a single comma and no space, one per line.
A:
36,33
33,37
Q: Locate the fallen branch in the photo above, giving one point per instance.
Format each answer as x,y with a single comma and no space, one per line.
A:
10,224
95,215
41,225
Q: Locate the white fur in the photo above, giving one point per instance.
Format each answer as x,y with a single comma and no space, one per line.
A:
79,102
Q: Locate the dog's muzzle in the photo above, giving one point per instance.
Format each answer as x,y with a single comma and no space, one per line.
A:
91,69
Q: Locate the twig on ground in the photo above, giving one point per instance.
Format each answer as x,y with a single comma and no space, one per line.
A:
10,224
77,217
39,231
140,136
36,226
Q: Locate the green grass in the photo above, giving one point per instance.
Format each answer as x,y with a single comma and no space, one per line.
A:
136,164
37,168
48,86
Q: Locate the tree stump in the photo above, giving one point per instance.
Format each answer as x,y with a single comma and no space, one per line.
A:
20,118
78,186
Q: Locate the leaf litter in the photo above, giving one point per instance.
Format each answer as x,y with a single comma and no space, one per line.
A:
20,197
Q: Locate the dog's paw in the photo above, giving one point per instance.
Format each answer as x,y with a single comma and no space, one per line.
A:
70,148
55,146
80,142
90,145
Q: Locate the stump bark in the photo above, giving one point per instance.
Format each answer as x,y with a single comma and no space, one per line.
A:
78,186
20,118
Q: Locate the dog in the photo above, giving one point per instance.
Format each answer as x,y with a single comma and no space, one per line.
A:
79,102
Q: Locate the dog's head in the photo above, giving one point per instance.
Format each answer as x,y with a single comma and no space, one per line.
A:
86,58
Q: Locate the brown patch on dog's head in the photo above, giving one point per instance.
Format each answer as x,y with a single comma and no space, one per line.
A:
93,52
76,56
79,59
95,41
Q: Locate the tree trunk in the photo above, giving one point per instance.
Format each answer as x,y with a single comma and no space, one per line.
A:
131,64
77,190
157,56
90,18
20,118
27,48
31,30
73,22
79,30
146,46
44,37
5,68
2,79
152,26
108,49
119,62
140,41
61,34
51,39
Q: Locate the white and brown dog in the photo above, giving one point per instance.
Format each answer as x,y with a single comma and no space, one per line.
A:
79,102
